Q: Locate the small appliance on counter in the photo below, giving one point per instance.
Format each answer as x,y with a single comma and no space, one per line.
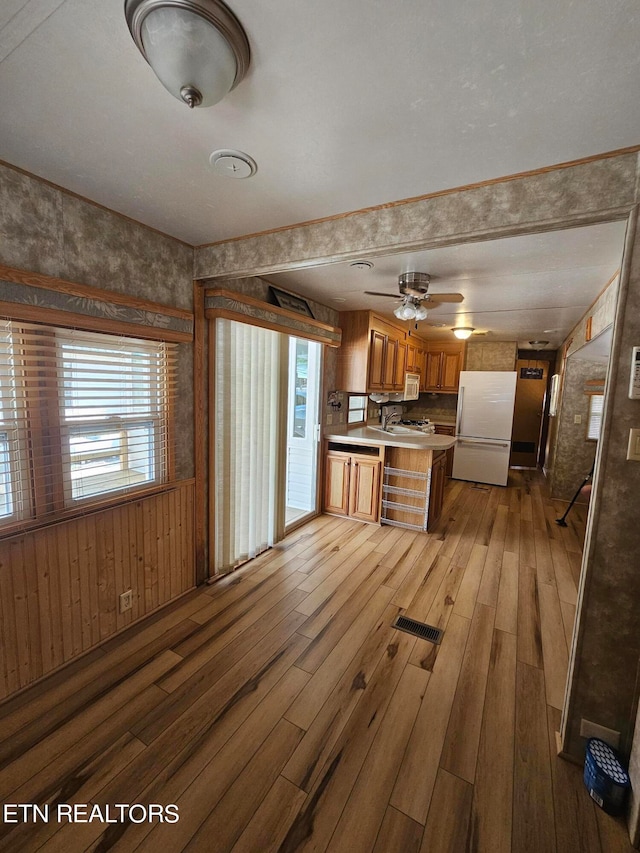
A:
483,426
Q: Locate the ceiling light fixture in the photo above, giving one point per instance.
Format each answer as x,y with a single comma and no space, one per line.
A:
361,265
411,309
538,343
463,332
196,48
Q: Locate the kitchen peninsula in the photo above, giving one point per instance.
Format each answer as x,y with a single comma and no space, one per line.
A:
393,477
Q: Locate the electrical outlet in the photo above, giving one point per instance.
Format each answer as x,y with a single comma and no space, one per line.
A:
589,729
577,419
126,601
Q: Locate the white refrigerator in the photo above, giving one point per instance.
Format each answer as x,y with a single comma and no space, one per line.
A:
483,426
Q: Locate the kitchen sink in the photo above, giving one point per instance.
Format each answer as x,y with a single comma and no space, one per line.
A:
394,429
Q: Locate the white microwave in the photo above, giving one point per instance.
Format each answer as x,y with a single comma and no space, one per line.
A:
411,386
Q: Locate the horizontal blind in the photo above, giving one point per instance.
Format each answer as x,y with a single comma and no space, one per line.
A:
596,402
82,415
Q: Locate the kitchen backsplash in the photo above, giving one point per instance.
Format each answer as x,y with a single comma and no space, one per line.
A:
435,407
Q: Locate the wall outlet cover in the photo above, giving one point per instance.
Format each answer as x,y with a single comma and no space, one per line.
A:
126,600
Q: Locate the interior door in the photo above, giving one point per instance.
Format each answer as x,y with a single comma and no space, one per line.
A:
531,388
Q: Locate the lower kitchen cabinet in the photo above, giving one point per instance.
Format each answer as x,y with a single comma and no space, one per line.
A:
352,484
413,487
438,482
441,429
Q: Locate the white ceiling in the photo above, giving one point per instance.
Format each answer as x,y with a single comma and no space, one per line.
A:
521,288
346,105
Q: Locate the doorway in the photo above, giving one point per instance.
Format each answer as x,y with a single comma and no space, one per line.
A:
528,415
303,429
264,439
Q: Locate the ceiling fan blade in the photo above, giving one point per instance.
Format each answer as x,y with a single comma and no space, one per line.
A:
443,297
376,293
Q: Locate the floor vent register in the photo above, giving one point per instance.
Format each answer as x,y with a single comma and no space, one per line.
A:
419,629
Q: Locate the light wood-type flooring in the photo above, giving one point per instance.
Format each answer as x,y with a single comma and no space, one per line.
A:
281,711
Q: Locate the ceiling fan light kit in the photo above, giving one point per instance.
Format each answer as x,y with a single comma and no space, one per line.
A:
410,310
413,287
196,48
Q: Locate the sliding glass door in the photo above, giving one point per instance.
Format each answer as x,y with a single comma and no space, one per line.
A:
265,439
302,428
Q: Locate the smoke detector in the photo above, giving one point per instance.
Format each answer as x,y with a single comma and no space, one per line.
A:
233,164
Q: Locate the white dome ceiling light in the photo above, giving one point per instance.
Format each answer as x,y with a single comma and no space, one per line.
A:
196,48
463,332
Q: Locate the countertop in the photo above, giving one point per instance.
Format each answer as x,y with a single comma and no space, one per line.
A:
366,435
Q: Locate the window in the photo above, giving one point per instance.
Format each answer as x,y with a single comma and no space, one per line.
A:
357,412
594,420
82,416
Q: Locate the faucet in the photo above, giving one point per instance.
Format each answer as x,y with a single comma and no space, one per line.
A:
392,418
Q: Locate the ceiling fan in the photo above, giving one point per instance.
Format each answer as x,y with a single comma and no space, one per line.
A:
413,287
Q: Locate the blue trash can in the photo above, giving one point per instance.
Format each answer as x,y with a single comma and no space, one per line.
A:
604,776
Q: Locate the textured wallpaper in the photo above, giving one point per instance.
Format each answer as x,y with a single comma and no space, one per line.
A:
45,230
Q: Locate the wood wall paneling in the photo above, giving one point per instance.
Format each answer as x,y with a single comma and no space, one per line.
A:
60,585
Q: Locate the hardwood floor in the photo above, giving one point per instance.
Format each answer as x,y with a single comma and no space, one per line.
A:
281,711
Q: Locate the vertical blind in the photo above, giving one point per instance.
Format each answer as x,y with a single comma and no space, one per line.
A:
246,422
82,415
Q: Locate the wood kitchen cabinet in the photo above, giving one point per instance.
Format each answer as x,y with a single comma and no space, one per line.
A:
438,482
413,487
443,363
373,354
414,353
442,429
376,355
400,367
352,483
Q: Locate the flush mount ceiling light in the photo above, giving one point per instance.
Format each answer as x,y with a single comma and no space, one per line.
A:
411,309
538,343
361,265
197,48
463,332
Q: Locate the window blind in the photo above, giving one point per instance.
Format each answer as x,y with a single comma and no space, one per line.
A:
596,403
247,423
82,415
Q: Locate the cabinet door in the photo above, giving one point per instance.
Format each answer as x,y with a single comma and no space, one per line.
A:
376,360
447,430
450,378
390,361
436,494
412,359
421,357
336,490
432,372
365,489
401,360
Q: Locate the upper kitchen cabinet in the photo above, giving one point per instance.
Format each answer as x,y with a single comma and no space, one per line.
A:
443,363
373,355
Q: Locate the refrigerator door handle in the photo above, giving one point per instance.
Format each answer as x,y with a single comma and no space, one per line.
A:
484,443
460,404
